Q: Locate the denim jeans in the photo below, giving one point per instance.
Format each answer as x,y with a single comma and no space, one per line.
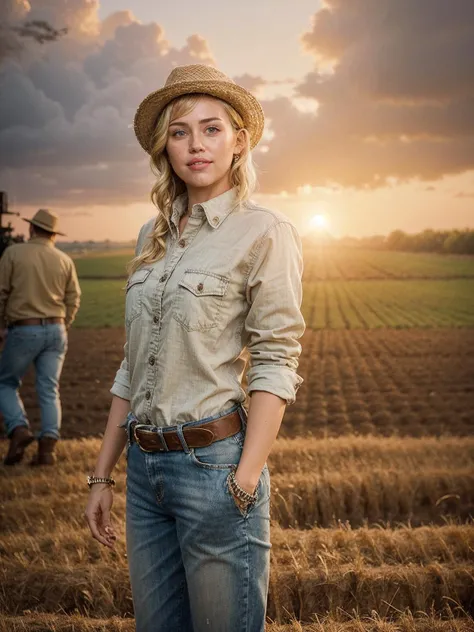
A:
197,563
45,346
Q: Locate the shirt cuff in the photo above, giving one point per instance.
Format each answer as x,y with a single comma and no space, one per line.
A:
276,379
121,385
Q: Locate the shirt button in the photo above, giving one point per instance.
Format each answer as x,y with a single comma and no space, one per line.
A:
147,395
215,220
151,360
200,287
156,319
182,243
163,278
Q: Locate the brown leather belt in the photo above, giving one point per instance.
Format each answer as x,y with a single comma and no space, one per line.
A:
37,321
195,436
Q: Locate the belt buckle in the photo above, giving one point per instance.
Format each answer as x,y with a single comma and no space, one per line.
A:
137,440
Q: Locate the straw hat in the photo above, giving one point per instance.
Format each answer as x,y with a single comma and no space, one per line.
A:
46,220
201,79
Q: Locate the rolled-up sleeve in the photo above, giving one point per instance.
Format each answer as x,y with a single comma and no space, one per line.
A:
274,322
121,385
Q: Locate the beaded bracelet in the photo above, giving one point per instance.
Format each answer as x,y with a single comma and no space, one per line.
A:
91,480
240,493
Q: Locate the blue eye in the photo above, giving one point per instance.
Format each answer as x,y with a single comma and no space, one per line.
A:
177,133
212,129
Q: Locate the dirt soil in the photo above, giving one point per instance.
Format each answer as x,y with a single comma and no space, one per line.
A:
382,382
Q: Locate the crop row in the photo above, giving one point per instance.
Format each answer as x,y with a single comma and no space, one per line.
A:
325,262
390,304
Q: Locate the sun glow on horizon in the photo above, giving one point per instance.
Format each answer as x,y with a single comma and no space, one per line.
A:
319,221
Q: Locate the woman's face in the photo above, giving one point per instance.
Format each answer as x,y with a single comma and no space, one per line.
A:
202,143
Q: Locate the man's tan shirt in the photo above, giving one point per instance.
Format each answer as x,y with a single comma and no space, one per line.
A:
227,293
37,281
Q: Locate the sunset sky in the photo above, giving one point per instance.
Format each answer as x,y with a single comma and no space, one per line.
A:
369,107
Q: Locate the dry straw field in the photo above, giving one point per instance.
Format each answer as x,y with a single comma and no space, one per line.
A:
372,476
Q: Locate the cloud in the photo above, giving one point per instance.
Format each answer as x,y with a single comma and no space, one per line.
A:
394,82
68,106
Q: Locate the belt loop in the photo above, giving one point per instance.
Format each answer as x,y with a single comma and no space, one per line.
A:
162,439
242,415
129,423
179,431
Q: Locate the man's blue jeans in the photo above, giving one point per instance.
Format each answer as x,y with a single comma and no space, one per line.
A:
44,346
197,563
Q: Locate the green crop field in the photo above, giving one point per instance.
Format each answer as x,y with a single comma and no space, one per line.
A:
343,289
337,262
325,263
106,266
102,304
373,304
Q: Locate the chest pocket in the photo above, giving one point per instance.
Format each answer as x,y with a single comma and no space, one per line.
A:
134,293
199,300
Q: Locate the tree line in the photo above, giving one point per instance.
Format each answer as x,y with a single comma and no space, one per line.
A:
456,242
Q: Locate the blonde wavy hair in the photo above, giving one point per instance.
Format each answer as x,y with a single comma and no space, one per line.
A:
169,186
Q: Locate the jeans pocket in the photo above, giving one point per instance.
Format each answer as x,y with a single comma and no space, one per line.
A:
220,455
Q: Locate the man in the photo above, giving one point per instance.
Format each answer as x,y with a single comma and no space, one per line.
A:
39,298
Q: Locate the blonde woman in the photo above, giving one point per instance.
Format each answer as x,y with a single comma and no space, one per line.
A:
215,278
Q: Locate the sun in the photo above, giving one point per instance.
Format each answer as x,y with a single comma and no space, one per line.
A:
319,221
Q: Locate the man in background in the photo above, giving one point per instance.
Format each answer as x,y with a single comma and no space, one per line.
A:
39,298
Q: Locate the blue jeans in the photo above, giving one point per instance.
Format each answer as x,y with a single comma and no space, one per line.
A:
197,563
45,346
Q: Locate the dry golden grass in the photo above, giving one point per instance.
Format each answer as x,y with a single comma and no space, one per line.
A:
75,623
373,496
332,548
358,480
302,550
350,453
53,569
387,590
306,455
102,590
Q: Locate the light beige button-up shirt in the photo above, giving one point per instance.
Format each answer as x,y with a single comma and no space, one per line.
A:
228,290
37,280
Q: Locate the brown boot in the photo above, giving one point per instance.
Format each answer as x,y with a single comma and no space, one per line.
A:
20,438
45,454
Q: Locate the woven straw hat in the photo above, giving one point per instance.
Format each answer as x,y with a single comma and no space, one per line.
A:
47,220
200,79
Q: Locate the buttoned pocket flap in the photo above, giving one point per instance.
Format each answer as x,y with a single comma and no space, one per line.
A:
140,276
204,283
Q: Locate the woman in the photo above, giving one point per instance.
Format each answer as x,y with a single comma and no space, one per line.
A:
215,277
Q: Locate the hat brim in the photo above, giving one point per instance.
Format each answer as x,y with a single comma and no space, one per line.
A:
241,100
43,227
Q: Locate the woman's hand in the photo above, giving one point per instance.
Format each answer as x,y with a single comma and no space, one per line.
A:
97,514
247,483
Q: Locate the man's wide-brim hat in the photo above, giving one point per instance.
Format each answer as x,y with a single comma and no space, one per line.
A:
198,79
47,220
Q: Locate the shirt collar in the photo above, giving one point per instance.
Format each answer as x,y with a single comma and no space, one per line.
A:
42,240
215,210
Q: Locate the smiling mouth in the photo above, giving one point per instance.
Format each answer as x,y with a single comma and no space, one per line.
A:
199,162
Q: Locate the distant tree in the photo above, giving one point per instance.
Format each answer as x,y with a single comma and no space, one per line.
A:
397,240
460,242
